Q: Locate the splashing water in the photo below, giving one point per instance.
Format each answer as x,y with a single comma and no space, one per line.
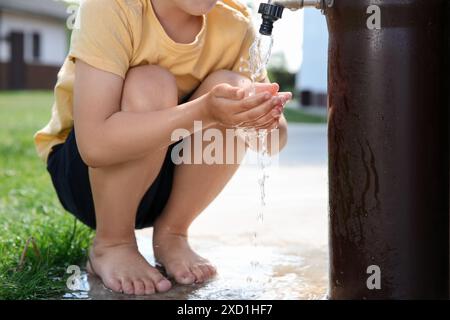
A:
259,55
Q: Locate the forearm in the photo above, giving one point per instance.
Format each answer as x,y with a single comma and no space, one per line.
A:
280,139
126,136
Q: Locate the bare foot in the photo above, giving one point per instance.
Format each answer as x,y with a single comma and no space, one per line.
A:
123,269
179,260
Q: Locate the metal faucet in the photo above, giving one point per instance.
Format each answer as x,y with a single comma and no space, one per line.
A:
300,4
273,10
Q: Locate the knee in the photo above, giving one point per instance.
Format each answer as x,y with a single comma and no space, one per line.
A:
225,76
147,88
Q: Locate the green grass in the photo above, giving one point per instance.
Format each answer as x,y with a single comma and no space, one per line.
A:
29,206
299,116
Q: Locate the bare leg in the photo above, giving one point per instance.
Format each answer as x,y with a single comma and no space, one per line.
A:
192,192
118,190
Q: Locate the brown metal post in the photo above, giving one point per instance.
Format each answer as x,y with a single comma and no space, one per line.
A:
388,151
447,85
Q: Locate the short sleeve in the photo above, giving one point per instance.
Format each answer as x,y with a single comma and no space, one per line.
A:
241,64
101,37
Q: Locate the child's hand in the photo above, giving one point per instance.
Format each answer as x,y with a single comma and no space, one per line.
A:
230,107
285,97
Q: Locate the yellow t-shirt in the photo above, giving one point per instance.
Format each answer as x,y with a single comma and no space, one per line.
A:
115,35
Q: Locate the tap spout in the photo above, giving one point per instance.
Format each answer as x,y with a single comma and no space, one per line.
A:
300,4
273,10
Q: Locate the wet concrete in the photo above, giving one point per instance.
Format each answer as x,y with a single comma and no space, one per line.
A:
291,248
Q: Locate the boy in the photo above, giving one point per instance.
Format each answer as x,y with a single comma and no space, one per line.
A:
137,70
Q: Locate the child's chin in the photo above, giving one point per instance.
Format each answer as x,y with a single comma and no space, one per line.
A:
199,13
203,10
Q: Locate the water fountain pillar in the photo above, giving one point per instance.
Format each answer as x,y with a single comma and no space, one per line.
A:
447,84
388,150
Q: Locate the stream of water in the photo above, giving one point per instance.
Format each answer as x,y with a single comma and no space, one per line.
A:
259,55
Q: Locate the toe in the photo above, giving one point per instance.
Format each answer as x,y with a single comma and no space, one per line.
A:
163,285
183,275
139,287
113,284
160,283
197,271
149,286
206,271
212,269
127,286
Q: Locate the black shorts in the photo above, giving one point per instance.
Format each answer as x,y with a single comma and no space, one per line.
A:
71,181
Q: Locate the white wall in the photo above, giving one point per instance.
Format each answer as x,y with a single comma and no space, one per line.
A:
313,73
53,37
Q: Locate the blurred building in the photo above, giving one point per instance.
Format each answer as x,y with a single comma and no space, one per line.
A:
33,43
301,47
312,77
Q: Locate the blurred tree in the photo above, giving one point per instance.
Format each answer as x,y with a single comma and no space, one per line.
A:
278,72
